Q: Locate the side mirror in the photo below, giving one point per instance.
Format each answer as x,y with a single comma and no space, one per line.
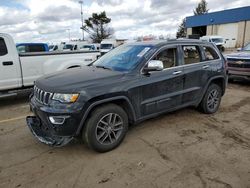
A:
239,49
153,65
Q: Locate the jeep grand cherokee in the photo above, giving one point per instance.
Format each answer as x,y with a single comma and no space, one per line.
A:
131,83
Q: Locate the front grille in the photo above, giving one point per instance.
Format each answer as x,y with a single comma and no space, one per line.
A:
238,63
41,96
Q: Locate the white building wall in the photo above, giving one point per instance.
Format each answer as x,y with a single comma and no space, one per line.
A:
230,33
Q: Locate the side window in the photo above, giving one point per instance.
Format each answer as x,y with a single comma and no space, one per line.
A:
210,53
191,54
36,48
56,47
21,49
168,57
3,47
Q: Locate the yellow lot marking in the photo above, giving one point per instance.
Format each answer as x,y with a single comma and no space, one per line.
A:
13,119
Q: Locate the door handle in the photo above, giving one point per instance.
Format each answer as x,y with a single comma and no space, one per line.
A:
7,63
177,72
205,66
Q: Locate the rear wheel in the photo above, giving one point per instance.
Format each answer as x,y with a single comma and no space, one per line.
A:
211,100
106,128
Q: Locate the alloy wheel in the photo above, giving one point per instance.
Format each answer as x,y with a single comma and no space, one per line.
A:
109,129
213,100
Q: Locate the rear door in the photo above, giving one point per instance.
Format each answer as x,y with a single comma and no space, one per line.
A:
199,65
10,75
195,72
162,90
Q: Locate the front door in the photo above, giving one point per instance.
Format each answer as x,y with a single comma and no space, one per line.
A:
161,90
10,76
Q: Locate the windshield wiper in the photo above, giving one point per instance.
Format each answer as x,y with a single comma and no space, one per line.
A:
103,67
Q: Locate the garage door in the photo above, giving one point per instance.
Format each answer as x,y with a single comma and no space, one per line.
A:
229,32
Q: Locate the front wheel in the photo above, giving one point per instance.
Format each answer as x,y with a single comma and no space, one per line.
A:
106,128
211,100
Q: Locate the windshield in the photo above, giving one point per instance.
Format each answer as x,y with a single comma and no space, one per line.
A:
123,58
217,40
247,47
106,46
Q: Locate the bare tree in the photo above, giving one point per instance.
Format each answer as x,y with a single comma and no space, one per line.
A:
97,27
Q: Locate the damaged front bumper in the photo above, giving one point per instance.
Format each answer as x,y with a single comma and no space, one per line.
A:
40,131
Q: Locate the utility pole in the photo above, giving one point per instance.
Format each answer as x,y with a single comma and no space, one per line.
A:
81,3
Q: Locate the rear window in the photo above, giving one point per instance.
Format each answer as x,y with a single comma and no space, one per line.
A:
210,53
3,47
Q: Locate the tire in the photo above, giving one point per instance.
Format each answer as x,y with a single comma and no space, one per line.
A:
103,134
213,94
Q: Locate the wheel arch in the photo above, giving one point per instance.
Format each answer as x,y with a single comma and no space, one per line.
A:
219,80
121,101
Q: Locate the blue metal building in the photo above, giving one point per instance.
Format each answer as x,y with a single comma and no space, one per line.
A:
232,24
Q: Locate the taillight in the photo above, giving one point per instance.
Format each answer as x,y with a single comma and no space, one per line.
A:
226,66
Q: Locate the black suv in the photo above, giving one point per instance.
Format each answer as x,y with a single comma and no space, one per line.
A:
129,84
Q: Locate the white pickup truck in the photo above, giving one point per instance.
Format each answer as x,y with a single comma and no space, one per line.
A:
19,71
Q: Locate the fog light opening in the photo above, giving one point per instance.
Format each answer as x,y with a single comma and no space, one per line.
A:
58,120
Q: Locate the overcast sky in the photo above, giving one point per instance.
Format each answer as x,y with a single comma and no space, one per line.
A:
49,20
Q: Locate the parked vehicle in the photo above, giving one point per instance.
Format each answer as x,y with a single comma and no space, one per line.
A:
74,45
239,64
109,44
56,47
32,47
90,47
19,71
130,84
218,40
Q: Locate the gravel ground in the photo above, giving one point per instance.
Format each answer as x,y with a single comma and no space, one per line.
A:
180,149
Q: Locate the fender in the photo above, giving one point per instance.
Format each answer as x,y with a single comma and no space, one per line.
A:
102,102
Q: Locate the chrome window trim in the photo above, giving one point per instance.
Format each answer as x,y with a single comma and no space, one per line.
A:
182,66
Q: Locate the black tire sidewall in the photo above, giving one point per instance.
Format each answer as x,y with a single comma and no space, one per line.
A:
89,132
204,105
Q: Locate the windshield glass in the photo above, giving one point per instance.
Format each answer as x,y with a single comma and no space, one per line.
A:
106,46
217,40
247,47
123,58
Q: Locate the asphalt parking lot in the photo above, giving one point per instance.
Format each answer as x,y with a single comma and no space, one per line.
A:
180,149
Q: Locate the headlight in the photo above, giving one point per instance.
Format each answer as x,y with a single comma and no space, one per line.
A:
65,98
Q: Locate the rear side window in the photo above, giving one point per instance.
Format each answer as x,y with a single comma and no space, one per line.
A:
210,53
21,49
3,47
36,48
191,54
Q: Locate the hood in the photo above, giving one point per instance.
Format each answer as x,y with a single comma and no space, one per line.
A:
76,79
239,55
